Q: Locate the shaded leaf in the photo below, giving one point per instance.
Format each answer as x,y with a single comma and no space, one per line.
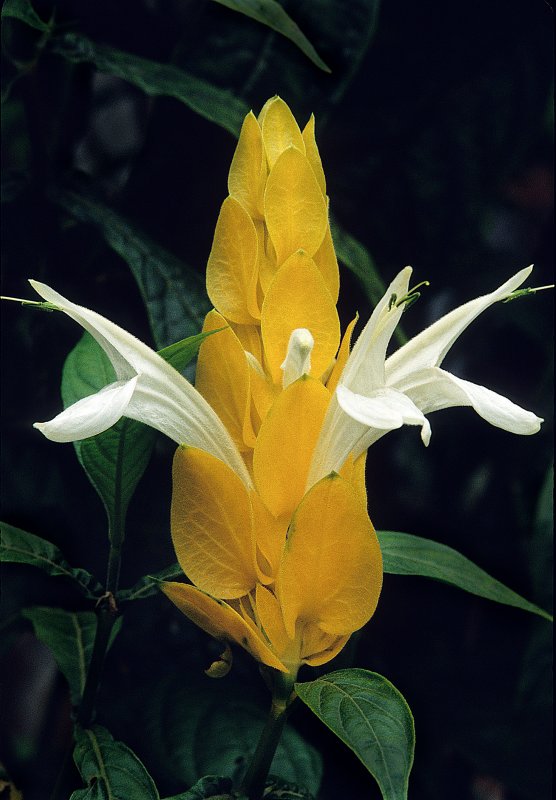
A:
215,104
371,716
70,636
206,788
116,459
357,259
19,547
255,63
405,554
210,727
148,584
24,11
174,294
271,13
111,770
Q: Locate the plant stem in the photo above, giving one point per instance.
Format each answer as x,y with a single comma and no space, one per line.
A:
107,615
255,777
257,772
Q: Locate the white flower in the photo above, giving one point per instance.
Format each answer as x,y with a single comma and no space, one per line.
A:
376,394
147,389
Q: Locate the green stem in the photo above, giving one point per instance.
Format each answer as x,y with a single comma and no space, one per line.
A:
257,772
106,617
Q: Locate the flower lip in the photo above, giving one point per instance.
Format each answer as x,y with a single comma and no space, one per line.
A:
147,389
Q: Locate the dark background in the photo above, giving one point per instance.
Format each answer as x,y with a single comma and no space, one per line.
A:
435,129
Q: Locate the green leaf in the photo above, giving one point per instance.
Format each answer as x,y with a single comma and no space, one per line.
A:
357,259
371,716
148,584
24,11
179,354
271,13
116,459
405,554
255,63
174,294
207,788
215,104
70,636
20,547
111,770
209,727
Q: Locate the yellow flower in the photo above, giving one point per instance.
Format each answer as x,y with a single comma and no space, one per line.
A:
289,589
272,274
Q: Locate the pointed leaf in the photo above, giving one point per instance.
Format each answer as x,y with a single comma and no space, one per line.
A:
148,585
215,104
371,716
20,547
70,636
111,770
174,294
405,554
179,354
271,13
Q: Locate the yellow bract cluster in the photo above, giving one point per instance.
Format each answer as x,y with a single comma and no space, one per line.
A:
286,573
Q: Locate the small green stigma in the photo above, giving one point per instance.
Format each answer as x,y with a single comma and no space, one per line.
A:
411,297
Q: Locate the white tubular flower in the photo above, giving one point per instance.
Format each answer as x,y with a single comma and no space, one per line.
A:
376,394
147,389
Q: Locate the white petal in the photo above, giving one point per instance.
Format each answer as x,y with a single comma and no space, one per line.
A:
353,423
434,389
91,415
429,348
163,398
364,369
385,410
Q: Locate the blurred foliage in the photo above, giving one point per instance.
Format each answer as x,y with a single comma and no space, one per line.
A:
435,129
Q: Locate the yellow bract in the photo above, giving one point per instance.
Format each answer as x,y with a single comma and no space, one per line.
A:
287,595
294,207
232,264
331,568
298,298
287,574
286,442
223,378
212,527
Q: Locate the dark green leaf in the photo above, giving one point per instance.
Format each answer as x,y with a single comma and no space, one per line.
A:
24,11
209,788
20,547
70,636
116,459
357,259
111,770
209,727
210,101
148,584
255,63
371,716
174,294
405,554
271,13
